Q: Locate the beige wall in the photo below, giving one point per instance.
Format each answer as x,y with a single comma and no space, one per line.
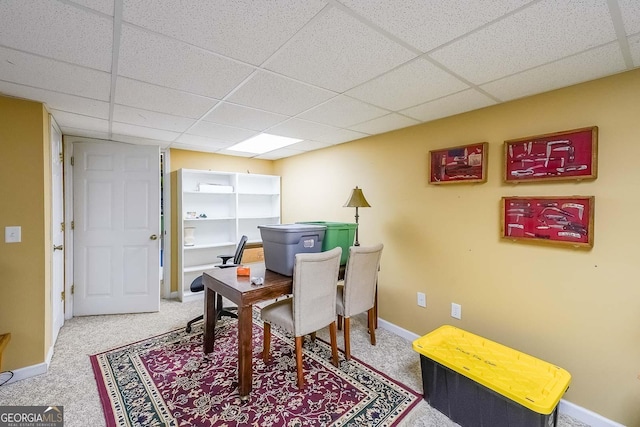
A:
25,190
183,159
579,309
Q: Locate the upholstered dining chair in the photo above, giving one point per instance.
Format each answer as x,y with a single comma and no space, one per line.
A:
358,292
312,306
198,286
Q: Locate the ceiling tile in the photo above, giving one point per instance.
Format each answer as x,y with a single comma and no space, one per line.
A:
246,30
630,10
57,30
84,133
236,153
143,132
341,135
157,59
78,121
408,85
446,19
195,140
308,145
466,100
385,124
58,101
346,53
279,154
634,46
302,129
221,132
270,92
541,33
244,117
589,65
161,99
342,111
130,139
151,119
103,6
35,71
202,148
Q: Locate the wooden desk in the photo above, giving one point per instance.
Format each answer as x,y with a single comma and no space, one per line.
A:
4,340
239,290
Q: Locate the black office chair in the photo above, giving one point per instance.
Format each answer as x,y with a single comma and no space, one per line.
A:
198,286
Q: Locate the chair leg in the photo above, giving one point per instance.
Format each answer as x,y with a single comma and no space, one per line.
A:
267,342
347,339
313,336
334,342
299,361
372,325
339,322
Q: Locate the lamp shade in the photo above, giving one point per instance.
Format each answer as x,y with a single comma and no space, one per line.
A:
357,200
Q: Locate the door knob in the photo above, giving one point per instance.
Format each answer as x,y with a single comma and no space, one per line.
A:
153,237
57,248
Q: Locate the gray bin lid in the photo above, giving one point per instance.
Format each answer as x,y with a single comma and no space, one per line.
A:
293,228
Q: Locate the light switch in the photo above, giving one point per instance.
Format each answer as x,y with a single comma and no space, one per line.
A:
13,234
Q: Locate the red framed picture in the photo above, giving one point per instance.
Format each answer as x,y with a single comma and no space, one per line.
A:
556,156
462,164
558,220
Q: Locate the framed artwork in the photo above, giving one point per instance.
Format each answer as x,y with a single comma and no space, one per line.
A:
462,164
558,220
556,156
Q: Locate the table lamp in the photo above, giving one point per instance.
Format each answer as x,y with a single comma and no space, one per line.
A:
357,200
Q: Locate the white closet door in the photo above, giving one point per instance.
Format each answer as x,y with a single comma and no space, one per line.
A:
117,228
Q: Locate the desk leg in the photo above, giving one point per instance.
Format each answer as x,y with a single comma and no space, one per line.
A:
210,317
245,332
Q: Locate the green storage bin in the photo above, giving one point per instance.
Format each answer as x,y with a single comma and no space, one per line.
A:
340,234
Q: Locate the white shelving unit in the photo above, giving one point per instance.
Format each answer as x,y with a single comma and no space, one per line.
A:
221,206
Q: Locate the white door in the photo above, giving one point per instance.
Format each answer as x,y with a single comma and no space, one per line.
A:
117,225
57,232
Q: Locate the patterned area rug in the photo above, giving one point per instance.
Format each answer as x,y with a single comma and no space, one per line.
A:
166,380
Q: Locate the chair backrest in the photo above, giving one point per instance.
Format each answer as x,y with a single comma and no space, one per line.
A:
315,276
237,258
360,278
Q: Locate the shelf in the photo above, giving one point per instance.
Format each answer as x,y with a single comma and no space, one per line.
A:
250,200
229,218
209,246
203,267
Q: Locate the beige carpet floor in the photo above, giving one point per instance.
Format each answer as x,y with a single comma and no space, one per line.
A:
69,381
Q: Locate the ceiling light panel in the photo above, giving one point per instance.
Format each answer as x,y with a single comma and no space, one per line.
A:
263,143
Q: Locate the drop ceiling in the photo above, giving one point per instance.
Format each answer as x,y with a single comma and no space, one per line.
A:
206,74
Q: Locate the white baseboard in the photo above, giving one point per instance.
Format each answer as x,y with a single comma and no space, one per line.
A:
586,416
28,372
565,407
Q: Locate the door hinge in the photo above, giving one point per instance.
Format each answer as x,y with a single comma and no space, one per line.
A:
72,161
73,225
61,157
73,289
62,295
62,226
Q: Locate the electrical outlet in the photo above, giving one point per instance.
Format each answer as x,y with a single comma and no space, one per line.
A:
422,299
456,310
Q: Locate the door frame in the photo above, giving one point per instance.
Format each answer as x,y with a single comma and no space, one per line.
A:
165,287
53,127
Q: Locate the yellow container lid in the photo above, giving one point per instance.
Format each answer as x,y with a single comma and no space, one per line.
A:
529,381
